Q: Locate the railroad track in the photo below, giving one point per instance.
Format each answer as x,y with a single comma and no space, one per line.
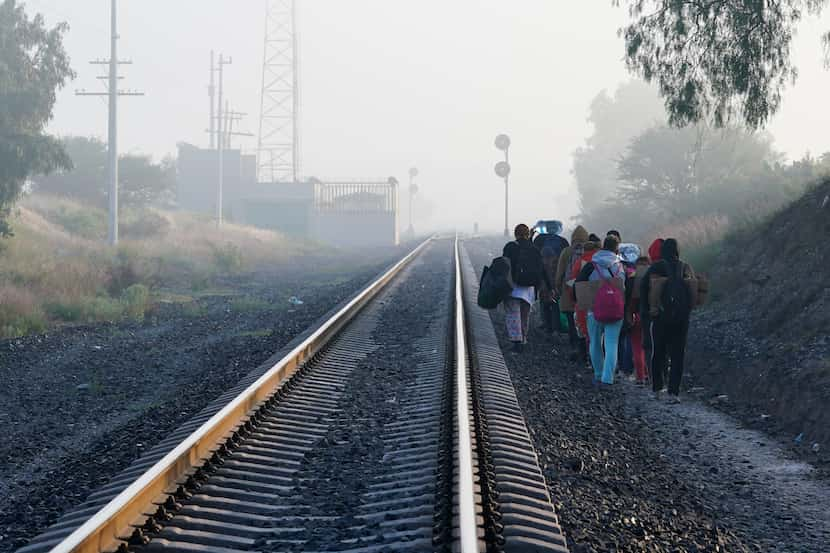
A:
392,427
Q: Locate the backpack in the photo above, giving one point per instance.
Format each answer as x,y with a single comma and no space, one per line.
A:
552,246
528,269
609,304
495,284
676,298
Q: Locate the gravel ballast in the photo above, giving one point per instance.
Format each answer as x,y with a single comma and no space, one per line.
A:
629,474
79,404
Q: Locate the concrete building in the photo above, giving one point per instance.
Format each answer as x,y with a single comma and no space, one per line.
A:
342,214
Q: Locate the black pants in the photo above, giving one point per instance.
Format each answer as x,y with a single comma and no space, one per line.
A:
550,316
668,341
573,337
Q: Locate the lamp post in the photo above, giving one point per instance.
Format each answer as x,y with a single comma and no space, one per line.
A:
503,171
413,189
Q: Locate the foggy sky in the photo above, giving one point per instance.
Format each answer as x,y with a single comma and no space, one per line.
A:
387,84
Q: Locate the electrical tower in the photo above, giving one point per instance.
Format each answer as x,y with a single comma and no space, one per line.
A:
278,150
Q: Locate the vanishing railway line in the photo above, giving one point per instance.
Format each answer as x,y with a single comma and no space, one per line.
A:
392,427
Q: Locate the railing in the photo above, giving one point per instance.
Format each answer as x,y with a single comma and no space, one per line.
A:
356,197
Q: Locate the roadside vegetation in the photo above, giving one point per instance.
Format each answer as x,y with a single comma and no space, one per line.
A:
701,184
56,268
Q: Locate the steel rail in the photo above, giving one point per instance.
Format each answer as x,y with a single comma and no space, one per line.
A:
468,530
114,522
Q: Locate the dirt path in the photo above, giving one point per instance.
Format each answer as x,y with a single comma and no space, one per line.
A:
748,475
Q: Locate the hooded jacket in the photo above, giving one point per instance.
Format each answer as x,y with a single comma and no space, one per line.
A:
667,265
578,236
609,266
654,253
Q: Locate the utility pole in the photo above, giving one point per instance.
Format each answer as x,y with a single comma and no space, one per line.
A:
112,128
212,95
221,146
413,189
233,117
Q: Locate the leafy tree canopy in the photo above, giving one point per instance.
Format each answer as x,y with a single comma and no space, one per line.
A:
716,60
616,120
141,181
33,66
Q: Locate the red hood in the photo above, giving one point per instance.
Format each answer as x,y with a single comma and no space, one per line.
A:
654,250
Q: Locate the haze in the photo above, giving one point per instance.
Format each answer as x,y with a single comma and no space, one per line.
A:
386,85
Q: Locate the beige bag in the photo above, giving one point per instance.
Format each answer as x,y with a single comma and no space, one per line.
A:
587,291
656,291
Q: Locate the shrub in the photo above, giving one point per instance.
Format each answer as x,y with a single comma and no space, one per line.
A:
143,224
227,258
136,298
90,224
90,309
20,313
103,309
129,267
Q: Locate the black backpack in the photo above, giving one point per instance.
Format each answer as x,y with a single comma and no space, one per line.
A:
552,245
495,284
676,299
528,269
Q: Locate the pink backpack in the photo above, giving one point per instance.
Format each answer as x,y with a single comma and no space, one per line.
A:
609,304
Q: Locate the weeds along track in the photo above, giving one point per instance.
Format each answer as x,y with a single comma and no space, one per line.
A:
393,427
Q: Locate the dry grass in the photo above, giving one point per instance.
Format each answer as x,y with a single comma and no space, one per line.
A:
696,232
56,267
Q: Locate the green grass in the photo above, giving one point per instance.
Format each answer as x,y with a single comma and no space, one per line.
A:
22,324
136,300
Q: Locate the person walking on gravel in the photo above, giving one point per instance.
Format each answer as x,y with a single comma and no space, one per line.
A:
528,273
667,293
551,245
604,326
568,259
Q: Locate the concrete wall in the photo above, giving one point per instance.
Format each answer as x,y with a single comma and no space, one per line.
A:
349,230
297,209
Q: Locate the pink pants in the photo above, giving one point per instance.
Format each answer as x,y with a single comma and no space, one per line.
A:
516,319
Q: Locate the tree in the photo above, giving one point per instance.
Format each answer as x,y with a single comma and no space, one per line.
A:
86,179
717,60
33,67
671,174
141,181
616,120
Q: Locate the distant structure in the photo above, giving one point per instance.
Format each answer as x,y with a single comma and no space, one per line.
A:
266,189
336,213
278,150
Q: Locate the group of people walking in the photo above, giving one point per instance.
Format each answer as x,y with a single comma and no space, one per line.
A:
623,310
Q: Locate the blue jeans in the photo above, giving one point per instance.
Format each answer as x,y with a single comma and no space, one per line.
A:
604,365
